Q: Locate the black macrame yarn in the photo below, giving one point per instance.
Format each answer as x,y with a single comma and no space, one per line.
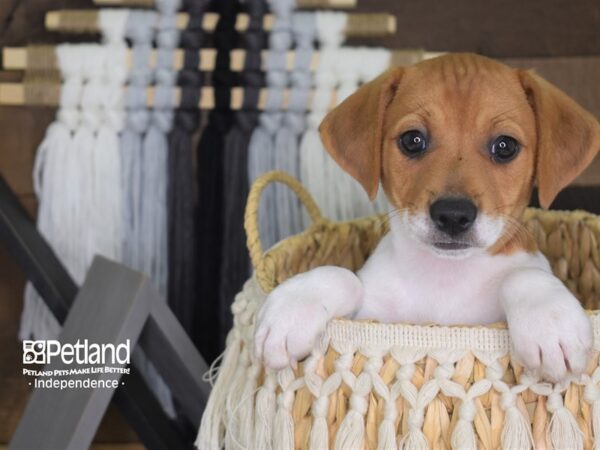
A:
235,265
209,216
181,228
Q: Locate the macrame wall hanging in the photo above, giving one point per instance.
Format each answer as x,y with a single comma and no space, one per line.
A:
77,172
235,265
209,215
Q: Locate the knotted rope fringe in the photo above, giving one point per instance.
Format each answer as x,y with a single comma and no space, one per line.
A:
382,383
77,173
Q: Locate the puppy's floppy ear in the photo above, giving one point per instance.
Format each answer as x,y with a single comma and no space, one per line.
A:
352,132
568,136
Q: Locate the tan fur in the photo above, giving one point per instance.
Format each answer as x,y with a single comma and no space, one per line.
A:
463,101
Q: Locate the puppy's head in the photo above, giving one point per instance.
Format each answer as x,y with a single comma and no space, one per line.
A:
457,143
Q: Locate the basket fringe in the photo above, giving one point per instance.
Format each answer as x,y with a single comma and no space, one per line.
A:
283,436
415,439
244,414
463,436
351,433
387,436
212,429
264,413
516,433
563,429
319,435
596,423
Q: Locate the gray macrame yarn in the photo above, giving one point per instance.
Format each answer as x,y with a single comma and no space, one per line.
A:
262,151
145,164
140,31
288,209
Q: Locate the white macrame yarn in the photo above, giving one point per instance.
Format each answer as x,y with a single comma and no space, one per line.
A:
272,426
314,161
77,168
339,195
50,177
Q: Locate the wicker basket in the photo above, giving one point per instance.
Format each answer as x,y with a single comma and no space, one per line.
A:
381,386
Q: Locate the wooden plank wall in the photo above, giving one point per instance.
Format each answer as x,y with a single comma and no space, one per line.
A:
525,33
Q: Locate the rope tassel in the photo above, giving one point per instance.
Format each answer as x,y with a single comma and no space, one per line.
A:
517,430
352,430
563,429
386,439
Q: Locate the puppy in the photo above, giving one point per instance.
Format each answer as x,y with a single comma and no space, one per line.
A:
456,143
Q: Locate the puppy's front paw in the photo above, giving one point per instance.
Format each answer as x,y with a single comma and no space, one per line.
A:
551,337
288,325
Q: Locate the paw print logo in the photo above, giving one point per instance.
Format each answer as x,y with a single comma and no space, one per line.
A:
34,352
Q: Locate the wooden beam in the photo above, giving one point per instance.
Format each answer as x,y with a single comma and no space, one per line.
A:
85,21
22,58
301,4
15,94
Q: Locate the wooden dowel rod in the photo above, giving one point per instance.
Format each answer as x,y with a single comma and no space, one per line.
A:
85,21
21,58
301,4
15,94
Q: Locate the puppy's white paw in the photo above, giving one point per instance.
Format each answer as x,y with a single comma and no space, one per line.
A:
551,335
288,325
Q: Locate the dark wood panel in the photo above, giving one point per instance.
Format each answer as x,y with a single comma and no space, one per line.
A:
497,28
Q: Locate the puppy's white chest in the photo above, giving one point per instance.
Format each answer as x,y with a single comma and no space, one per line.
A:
406,283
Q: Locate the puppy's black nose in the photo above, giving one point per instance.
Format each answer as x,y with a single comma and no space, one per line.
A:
453,215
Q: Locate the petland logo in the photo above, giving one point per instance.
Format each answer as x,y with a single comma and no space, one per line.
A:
43,352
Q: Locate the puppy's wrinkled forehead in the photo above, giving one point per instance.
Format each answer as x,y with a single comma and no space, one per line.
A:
465,90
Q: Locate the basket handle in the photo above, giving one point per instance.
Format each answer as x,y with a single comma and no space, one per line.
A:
252,206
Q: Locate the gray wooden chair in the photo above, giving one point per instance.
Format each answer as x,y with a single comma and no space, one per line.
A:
114,304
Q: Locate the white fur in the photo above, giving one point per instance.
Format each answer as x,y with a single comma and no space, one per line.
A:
407,280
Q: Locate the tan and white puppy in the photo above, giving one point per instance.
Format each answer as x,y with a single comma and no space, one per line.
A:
457,143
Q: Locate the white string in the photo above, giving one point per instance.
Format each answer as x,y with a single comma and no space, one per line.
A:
314,165
50,162
77,168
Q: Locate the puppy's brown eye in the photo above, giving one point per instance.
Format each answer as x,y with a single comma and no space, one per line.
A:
412,143
504,149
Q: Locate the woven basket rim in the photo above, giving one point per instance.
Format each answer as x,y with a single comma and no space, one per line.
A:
489,338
